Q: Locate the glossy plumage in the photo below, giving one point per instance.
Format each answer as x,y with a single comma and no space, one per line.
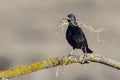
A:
75,36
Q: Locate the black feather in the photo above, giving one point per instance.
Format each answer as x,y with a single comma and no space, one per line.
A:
75,36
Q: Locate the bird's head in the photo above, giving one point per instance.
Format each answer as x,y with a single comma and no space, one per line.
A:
71,19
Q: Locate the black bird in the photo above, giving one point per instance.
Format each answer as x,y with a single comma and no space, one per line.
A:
75,36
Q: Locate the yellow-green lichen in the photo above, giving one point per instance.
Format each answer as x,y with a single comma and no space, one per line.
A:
55,62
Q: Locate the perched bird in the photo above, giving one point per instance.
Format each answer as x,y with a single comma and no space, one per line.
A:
75,36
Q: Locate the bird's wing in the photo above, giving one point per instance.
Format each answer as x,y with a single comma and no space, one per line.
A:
79,38
79,35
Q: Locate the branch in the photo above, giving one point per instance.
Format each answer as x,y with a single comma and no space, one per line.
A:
56,62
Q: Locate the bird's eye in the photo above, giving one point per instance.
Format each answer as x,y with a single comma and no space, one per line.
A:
69,20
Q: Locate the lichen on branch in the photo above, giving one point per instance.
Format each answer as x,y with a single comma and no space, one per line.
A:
56,62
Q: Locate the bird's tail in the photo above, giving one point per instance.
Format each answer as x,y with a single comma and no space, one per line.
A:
87,50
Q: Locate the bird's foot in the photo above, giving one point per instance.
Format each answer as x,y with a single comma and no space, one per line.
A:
85,55
71,55
84,58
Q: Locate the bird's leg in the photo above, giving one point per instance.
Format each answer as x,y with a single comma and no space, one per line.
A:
85,53
84,56
71,54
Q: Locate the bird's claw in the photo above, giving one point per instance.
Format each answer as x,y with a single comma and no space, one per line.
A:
71,55
83,60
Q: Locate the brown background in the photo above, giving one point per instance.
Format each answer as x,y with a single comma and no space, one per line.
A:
28,34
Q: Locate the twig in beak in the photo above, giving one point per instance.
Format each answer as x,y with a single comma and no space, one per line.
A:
63,22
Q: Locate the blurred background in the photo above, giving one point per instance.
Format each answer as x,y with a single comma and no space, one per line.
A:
28,35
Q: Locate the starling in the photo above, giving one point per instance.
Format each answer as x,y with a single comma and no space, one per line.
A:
75,36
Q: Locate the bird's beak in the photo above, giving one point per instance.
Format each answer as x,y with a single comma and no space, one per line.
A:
65,18
63,22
